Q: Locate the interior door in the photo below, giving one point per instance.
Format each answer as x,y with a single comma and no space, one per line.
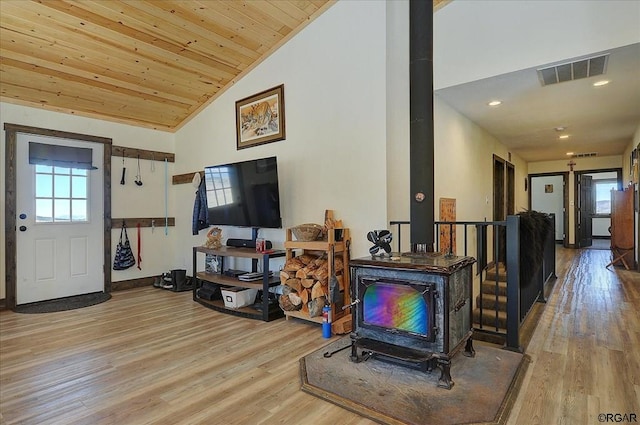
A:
510,189
59,220
499,209
585,211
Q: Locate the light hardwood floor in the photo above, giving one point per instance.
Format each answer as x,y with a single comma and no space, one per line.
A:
154,357
586,348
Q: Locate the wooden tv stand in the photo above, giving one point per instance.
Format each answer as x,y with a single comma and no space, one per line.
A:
266,311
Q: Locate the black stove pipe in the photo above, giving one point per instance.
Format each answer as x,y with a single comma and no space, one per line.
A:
421,142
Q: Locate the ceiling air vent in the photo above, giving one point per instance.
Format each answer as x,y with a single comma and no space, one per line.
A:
584,155
582,68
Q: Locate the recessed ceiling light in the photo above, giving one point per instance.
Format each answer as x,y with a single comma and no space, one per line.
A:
569,153
600,83
494,103
564,136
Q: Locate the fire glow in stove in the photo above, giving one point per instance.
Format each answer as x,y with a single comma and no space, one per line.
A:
415,310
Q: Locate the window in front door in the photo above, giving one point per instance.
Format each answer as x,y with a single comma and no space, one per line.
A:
61,194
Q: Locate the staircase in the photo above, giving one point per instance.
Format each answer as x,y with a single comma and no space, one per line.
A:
493,299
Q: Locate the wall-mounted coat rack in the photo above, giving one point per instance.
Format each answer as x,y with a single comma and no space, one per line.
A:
185,178
142,153
131,223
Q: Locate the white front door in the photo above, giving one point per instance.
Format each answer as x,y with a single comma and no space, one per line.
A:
59,220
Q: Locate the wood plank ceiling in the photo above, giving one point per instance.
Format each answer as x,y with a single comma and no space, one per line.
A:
150,63
146,62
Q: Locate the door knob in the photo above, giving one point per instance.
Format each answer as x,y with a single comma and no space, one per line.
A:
22,228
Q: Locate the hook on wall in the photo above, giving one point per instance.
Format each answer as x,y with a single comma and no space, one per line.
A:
123,168
138,180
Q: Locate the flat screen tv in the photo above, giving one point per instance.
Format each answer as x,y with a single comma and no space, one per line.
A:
244,194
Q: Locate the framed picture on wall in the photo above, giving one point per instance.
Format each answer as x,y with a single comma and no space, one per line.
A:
260,118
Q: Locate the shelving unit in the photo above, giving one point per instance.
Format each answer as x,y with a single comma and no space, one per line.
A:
266,311
340,247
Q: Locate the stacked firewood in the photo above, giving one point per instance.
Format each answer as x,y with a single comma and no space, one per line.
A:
305,279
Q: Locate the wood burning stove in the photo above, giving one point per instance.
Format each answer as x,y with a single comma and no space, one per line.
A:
414,310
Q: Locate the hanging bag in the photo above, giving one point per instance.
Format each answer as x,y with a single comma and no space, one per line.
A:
124,255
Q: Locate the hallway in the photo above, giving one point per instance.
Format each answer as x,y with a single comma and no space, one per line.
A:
601,244
585,351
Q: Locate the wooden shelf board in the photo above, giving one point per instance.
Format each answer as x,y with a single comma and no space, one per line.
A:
302,315
219,305
315,246
142,153
186,177
228,251
221,279
131,223
305,316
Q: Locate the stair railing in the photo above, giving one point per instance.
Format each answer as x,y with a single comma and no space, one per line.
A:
513,284
486,258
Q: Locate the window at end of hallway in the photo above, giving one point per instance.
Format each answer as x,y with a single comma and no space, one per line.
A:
602,196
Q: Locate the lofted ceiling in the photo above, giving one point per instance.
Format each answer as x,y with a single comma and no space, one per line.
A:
150,63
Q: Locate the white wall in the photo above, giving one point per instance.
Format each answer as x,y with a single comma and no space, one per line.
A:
335,150
480,39
549,202
600,226
464,164
399,197
626,178
127,201
582,164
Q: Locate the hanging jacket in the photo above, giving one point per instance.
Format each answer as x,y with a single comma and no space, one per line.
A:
200,210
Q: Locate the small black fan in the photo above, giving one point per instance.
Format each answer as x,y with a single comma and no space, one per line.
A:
381,239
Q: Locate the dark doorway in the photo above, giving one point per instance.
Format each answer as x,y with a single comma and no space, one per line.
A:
500,243
498,189
511,189
503,201
585,198
585,211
